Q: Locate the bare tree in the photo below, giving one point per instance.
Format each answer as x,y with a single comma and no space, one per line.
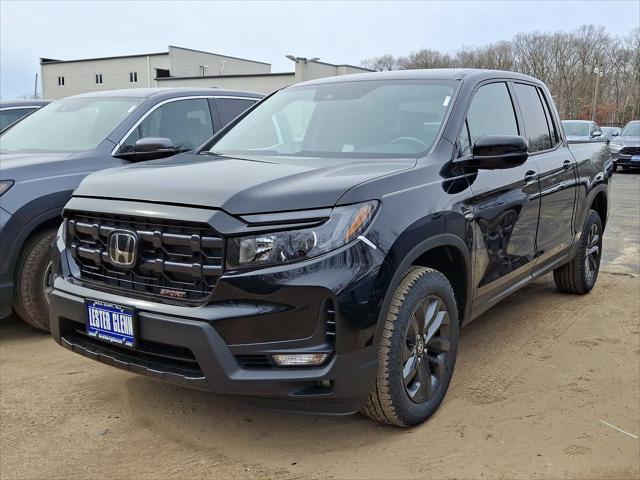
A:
426,58
381,63
565,61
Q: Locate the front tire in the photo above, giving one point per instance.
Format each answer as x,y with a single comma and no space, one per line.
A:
33,281
581,273
418,350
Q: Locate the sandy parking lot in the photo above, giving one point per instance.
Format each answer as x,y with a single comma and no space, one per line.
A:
536,380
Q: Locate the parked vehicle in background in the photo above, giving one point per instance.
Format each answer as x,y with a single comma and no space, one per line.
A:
582,131
625,148
14,110
44,157
324,249
610,132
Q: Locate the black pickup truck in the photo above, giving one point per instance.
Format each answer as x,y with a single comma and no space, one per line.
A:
322,251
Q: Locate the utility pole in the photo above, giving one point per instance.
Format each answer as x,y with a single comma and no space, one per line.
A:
35,88
599,74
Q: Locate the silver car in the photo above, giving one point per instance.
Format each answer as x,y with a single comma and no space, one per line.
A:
625,148
579,131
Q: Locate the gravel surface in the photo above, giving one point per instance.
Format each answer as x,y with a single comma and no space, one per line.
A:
546,386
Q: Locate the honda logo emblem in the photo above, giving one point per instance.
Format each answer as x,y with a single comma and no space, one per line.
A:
123,246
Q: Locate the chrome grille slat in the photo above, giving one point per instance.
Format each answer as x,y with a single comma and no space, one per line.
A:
183,257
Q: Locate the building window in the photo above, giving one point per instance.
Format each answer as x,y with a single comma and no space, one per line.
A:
60,81
99,78
133,77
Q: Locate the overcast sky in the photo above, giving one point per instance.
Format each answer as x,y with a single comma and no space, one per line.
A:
337,32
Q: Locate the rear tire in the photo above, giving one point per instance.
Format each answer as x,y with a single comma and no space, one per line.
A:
33,281
581,273
417,352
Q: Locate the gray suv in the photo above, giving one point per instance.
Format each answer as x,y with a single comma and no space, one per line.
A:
15,110
44,157
625,148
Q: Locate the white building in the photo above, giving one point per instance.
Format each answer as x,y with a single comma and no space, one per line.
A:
178,67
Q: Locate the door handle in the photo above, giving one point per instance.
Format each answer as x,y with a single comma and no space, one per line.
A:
530,176
566,165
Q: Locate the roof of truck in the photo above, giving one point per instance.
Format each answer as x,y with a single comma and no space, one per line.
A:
427,74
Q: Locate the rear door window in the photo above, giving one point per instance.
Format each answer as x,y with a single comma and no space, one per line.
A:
230,108
187,123
553,128
533,117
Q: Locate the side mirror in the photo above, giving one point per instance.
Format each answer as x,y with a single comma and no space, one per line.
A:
596,134
615,134
493,152
149,148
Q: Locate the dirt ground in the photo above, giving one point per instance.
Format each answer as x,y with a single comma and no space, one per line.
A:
541,381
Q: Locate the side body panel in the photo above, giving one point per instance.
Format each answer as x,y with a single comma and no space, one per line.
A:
557,179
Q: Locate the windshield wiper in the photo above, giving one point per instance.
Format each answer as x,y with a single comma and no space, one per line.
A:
234,157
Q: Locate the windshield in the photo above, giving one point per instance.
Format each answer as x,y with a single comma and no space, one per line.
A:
346,119
632,129
73,124
576,128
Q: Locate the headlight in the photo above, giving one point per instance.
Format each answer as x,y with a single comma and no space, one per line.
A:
5,185
344,225
615,146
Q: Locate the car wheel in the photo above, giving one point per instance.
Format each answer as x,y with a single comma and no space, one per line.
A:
580,274
33,281
615,167
418,350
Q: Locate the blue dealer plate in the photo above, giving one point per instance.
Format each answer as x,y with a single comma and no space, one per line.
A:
111,323
635,158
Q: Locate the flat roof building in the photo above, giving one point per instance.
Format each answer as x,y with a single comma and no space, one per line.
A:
177,67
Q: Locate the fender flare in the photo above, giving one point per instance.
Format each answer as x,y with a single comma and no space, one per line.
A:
593,193
438,240
28,219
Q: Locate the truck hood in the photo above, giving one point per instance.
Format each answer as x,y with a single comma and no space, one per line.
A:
239,185
27,165
626,141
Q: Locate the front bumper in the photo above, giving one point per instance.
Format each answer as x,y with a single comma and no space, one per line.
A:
621,159
226,345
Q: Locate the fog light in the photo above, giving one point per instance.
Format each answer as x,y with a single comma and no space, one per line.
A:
300,359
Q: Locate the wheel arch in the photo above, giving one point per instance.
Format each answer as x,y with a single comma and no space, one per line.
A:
34,217
441,252
600,205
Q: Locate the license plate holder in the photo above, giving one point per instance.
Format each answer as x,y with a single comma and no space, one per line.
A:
111,323
635,158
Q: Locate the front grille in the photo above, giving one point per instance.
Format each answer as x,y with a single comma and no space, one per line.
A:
630,151
176,261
